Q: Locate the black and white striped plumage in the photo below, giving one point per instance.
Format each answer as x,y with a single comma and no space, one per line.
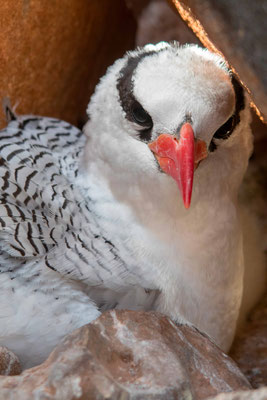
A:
90,222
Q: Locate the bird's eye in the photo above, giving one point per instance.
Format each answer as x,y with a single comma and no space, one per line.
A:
226,129
224,132
140,116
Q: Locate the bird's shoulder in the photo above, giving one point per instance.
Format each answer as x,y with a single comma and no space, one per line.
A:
48,212
38,164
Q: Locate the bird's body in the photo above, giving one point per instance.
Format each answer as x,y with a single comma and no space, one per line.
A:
89,222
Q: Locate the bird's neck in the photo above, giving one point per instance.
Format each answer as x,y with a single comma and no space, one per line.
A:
159,209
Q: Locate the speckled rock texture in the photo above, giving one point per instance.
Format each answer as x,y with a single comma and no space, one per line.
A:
54,52
129,355
9,363
250,347
238,30
158,21
260,394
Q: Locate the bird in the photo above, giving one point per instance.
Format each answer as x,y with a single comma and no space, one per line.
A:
138,210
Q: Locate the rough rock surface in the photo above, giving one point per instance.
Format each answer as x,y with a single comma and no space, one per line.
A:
260,394
158,21
9,363
129,355
250,347
53,53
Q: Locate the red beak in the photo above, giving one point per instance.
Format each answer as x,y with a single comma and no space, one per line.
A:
180,158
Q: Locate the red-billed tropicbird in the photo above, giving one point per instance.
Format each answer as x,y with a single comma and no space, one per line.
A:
139,212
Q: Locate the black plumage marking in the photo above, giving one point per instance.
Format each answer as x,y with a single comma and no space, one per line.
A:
25,122
84,246
80,255
49,265
25,160
60,212
2,222
17,191
21,213
67,243
22,252
225,131
77,267
8,211
17,170
51,235
56,139
53,177
127,99
18,134
59,134
34,218
16,236
28,179
97,252
29,237
14,153
41,134
66,201
45,218
35,195
41,236
27,200
40,155
49,165
54,192
5,179
6,145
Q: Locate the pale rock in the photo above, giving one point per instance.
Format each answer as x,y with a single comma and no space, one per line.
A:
129,355
260,394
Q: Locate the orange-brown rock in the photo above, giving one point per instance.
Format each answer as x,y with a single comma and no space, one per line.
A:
53,53
9,363
129,355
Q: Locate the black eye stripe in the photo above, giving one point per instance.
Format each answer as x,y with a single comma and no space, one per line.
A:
128,101
225,131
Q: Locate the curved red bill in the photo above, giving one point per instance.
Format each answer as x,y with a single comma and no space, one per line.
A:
179,158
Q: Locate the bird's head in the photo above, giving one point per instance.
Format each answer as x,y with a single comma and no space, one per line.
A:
159,114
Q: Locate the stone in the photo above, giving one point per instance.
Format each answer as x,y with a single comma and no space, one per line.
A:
53,55
159,22
129,355
9,362
260,394
249,349
238,31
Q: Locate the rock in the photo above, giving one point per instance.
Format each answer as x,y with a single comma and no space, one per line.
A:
52,56
238,30
9,363
129,355
250,347
158,21
260,394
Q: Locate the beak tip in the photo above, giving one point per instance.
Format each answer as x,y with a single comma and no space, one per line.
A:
187,204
